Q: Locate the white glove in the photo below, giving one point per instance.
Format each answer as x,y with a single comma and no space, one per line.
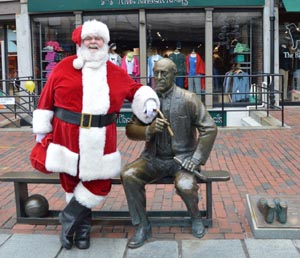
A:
150,108
39,137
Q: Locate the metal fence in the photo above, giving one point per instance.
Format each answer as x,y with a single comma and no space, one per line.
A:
19,97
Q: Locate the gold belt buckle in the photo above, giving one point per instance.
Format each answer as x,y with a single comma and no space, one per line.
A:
83,122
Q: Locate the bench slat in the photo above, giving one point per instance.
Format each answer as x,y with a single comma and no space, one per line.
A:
38,177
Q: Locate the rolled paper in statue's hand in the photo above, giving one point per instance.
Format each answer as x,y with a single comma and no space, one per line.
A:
163,117
196,172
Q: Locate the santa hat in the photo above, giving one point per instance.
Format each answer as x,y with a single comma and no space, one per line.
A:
89,28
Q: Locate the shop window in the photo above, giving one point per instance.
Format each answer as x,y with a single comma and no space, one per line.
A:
237,54
51,43
8,56
179,35
124,40
289,60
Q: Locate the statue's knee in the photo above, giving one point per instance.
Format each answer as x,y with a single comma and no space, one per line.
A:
128,173
184,184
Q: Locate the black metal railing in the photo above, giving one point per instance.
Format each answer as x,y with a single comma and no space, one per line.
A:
19,102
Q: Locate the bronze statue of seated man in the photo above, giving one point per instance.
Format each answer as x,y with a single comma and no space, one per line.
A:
165,154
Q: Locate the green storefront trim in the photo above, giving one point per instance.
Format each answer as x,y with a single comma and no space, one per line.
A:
219,117
291,5
35,6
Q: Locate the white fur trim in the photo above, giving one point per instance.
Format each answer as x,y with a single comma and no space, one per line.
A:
41,121
86,198
143,94
95,99
101,167
61,159
78,63
95,28
69,196
93,164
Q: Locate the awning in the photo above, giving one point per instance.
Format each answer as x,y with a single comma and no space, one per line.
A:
292,5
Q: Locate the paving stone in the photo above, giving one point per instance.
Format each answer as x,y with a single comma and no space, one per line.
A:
212,249
3,238
155,249
30,246
100,247
280,248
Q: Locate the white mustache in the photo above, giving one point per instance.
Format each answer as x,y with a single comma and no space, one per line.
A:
93,46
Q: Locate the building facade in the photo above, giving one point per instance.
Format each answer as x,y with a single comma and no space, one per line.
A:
227,37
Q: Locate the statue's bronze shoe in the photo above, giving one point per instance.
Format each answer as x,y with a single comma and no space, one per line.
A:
198,229
281,210
267,208
142,233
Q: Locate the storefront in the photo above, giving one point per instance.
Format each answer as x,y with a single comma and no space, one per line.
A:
225,37
289,50
8,42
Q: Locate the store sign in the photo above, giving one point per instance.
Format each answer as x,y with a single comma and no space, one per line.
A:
219,117
7,101
92,5
291,55
123,118
294,34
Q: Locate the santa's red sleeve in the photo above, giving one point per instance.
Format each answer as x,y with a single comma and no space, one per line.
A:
42,117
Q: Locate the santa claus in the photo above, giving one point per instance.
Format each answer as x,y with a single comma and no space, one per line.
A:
77,110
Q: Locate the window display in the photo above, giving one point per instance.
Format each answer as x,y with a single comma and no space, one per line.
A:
289,60
51,43
176,35
237,53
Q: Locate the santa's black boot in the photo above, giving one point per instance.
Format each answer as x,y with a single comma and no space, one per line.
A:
82,235
70,218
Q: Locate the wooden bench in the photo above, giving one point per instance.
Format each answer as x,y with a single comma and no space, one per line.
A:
159,218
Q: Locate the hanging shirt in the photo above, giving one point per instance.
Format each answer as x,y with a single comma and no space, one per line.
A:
115,58
129,65
151,62
193,63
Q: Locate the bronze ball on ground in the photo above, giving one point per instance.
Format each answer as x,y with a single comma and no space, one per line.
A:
36,205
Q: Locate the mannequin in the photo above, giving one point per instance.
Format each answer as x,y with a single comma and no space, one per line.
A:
131,65
113,55
217,69
195,67
151,62
179,59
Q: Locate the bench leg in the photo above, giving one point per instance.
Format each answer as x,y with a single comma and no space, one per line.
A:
209,203
21,194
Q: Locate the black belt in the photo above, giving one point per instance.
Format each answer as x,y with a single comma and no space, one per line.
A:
85,120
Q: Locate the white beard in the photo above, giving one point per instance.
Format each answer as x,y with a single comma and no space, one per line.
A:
92,58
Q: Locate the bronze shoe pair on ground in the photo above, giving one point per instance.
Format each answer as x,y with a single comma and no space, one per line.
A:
271,207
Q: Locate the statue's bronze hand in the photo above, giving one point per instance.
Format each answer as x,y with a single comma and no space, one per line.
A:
190,165
158,125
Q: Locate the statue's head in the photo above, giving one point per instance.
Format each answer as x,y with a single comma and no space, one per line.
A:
165,71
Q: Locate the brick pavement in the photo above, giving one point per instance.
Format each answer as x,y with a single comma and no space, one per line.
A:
264,161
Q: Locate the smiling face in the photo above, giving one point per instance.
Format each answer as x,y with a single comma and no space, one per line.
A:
93,48
93,42
164,75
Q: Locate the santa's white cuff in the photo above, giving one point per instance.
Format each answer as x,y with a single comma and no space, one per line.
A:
61,159
143,94
69,196
86,198
41,121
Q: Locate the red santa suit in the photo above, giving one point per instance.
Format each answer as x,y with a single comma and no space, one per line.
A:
86,157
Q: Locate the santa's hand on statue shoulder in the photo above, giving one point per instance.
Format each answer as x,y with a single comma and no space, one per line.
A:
150,108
